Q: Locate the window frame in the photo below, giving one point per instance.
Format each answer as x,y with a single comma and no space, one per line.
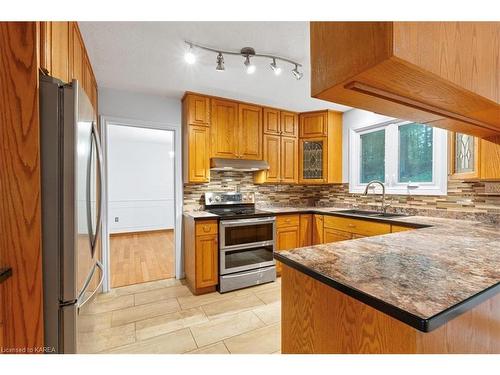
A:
439,183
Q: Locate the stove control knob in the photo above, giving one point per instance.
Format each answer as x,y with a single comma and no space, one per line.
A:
217,198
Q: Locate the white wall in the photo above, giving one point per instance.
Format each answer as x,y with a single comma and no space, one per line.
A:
137,106
141,179
353,119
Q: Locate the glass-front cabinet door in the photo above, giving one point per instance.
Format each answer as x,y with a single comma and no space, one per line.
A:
464,156
312,160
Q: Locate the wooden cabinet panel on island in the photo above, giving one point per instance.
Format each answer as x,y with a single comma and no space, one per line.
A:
320,147
201,254
444,74
306,230
250,132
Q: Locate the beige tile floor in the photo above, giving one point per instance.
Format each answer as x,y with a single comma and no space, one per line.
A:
165,317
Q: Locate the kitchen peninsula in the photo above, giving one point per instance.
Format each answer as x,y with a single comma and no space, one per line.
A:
428,290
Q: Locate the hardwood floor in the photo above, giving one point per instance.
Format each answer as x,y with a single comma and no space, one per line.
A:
165,317
141,257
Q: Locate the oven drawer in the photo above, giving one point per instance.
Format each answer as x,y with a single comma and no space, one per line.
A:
206,227
236,260
248,278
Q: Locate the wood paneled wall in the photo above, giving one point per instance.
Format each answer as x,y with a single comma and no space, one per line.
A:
20,207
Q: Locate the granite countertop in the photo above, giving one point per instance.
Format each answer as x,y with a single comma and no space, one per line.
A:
423,277
200,215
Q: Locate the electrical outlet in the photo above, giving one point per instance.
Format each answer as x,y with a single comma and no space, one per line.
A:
117,219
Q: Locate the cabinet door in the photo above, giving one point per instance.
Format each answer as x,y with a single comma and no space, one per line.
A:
272,155
289,124
306,224
490,158
313,160
198,110
464,156
313,124
250,126
224,115
77,54
206,261
60,50
199,154
271,120
317,229
286,239
88,77
289,160
332,235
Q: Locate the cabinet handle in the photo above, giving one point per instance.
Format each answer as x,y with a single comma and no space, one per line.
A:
287,220
206,228
351,225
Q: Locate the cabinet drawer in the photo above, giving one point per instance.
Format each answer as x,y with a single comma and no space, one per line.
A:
363,227
283,221
206,227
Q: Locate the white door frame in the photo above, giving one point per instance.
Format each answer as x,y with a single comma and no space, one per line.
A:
105,121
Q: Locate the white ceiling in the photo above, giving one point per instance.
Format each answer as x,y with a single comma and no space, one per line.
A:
148,57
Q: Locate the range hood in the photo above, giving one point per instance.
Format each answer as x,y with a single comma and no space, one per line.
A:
240,165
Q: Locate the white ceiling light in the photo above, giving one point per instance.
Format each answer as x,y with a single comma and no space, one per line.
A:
276,69
220,63
246,52
189,56
298,75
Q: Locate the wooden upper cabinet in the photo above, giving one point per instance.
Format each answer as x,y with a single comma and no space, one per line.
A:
289,160
320,147
224,116
198,163
59,50
313,124
78,53
272,154
250,132
198,110
289,124
490,159
271,121
442,73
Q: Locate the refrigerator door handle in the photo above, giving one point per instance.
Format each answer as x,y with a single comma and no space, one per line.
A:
87,282
95,234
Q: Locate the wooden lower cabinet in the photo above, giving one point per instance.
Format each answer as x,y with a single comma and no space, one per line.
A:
357,226
317,229
306,226
201,251
333,235
287,234
206,261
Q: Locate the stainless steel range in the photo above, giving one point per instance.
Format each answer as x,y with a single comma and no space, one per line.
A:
246,240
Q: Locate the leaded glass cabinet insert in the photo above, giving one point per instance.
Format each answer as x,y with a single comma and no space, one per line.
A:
313,160
464,153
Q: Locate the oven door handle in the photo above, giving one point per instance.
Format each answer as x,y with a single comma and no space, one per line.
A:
248,246
261,220
254,272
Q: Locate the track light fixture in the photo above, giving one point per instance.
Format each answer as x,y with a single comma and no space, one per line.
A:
298,75
220,63
246,53
276,69
189,56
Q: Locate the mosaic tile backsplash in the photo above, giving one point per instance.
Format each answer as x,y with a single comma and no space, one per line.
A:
465,200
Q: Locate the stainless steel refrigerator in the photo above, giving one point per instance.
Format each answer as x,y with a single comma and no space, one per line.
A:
71,160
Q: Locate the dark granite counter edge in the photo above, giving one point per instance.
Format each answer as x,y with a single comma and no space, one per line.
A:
333,213
422,324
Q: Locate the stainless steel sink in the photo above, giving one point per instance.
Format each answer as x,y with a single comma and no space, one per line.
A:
370,213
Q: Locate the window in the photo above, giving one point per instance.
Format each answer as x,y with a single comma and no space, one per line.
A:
410,158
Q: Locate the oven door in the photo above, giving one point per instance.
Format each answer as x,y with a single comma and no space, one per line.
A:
236,260
244,233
